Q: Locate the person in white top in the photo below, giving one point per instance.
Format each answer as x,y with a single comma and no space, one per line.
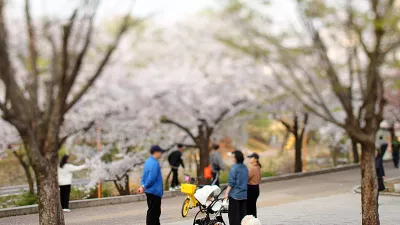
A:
65,172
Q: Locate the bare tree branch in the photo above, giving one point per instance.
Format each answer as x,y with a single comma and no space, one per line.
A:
78,63
305,104
357,29
305,122
102,65
187,130
33,67
340,91
226,111
288,126
65,44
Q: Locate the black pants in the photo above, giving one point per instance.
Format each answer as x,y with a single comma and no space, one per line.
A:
253,191
237,211
395,155
175,181
65,190
154,210
215,179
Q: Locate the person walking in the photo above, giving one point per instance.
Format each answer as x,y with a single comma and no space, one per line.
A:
395,152
253,187
65,173
175,160
216,164
380,172
236,191
152,185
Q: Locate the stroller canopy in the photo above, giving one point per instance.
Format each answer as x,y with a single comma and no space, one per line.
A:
204,193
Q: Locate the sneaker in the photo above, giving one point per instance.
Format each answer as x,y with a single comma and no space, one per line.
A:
172,189
178,187
66,210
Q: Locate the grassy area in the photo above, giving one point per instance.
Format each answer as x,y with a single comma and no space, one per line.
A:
11,173
223,178
17,200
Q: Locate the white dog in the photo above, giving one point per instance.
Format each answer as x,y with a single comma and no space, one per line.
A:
250,220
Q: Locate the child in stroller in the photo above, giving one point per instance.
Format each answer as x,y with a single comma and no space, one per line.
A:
211,206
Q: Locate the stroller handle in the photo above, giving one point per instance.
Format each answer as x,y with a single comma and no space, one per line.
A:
217,198
222,190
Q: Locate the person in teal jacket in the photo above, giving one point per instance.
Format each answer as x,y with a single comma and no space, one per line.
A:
237,190
152,185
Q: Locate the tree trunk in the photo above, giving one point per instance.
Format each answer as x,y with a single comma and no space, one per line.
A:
127,187
123,189
204,156
29,178
298,165
50,212
369,185
27,170
356,157
44,162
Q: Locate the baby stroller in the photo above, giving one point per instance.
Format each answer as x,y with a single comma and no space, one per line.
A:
211,206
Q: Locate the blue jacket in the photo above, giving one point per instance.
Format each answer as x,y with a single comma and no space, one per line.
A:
237,180
152,178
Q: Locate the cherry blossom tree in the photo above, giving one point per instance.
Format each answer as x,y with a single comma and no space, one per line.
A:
203,85
329,66
37,97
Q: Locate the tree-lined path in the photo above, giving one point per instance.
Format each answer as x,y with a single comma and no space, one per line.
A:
322,199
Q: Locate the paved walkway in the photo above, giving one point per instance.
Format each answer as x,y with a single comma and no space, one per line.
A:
334,210
322,199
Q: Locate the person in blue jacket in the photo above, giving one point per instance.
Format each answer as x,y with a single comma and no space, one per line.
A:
237,190
152,185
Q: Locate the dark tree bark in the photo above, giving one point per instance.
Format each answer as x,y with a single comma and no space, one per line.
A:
298,165
369,184
298,132
123,189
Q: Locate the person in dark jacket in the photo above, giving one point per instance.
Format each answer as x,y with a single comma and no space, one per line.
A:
237,190
152,185
380,172
175,160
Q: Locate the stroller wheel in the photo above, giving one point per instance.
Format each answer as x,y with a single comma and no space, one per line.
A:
185,207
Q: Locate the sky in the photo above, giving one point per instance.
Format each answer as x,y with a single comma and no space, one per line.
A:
166,11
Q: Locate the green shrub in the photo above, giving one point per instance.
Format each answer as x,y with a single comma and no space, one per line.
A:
79,193
223,177
267,174
106,191
26,199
